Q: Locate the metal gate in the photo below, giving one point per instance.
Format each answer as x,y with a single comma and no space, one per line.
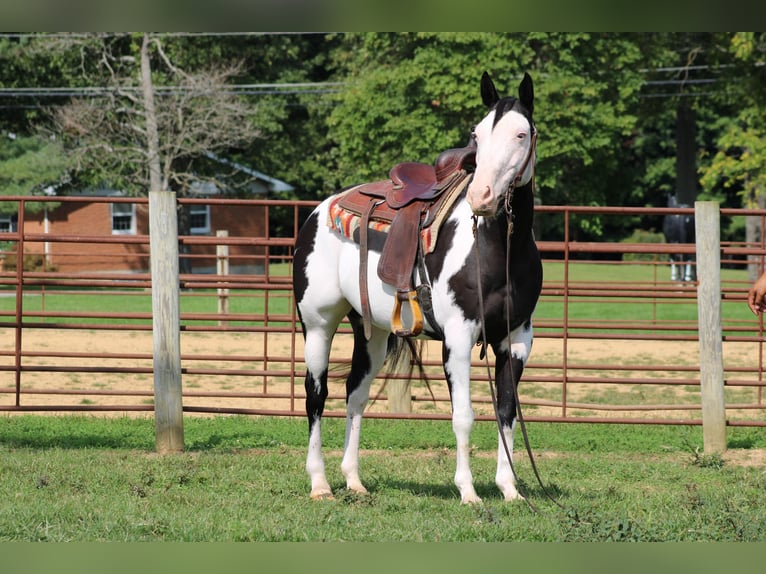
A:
80,340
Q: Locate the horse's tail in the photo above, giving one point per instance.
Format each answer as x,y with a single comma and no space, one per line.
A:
403,357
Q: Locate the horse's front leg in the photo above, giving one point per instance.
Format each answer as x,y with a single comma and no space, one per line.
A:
510,358
456,355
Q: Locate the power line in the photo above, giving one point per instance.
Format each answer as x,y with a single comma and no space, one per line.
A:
24,36
241,89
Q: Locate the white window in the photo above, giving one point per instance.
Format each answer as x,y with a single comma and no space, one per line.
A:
123,218
199,218
7,223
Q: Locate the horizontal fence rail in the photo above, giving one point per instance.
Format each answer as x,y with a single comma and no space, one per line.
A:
616,340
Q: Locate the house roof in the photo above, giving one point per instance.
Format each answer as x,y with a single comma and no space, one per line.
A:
274,184
271,184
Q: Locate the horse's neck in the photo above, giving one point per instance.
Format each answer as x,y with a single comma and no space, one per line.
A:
523,210
495,229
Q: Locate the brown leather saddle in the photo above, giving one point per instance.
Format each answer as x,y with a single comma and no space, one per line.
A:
409,201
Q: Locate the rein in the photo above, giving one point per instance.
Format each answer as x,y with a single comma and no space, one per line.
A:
519,416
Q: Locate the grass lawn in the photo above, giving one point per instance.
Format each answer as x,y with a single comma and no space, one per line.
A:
242,479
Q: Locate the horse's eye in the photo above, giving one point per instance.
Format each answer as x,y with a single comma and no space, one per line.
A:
521,135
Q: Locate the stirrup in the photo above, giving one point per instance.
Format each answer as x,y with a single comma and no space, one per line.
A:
417,314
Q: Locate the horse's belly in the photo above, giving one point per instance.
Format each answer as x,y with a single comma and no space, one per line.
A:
380,295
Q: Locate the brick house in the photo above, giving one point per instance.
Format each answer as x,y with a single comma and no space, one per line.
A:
103,235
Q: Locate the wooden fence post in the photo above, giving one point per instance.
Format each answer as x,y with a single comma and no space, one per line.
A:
222,269
708,232
166,324
399,394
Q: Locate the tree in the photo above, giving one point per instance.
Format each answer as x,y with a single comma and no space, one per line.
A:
739,163
409,96
276,82
29,165
153,125
606,108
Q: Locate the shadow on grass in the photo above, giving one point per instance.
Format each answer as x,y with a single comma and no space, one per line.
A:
73,442
132,439
487,491
124,433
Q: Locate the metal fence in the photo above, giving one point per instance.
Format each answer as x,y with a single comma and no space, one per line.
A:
81,341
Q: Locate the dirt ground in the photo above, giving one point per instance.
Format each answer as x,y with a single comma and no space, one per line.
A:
259,363
252,371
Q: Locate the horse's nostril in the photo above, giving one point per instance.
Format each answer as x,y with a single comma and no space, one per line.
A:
481,196
484,194
480,200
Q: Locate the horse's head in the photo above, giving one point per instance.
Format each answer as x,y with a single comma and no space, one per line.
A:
505,146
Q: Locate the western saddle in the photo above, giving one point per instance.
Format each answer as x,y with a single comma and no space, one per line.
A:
415,197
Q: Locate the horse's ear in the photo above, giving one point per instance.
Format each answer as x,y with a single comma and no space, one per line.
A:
527,93
488,92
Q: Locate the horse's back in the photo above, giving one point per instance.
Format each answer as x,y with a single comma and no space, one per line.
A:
326,265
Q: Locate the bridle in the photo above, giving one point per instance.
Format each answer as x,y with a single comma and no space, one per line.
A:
507,197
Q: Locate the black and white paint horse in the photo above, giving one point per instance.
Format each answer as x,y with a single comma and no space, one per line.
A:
326,279
679,228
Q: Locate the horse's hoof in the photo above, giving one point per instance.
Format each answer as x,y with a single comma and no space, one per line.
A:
322,495
513,497
471,500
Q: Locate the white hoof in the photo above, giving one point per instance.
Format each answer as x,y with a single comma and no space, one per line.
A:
470,498
512,496
322,494
357,487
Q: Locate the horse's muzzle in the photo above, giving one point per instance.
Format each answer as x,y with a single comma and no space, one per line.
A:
482,202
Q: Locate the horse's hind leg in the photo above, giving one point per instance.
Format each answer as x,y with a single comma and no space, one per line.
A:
319,329
367,359
317,358
674,272
510,358
690,274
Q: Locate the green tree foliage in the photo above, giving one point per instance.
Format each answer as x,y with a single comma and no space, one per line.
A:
28,165
738,163
412,95
408,97
347,107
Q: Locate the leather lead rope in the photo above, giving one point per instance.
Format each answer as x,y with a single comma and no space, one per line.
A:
519,415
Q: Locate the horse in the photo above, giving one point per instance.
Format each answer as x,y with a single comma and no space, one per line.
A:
485,276
679,228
